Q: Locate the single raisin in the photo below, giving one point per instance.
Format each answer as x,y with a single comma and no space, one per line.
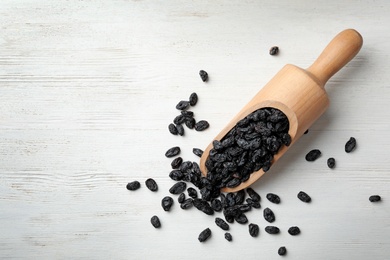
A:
193,99
331,162
253,194
192,193
201,125
294,231
134,185
178,187
203,75
172,152
221,223
304,197
374,198
198,152
269,215
204,235
186,204
350,145
216,205
313,155
182,105
228,236
178,120
167,203
274,50
272,230
241,219
176,175
172,129
273,198
187,113
254,230
282,250
190,122
252,203
155,222
203,206
151,184
180,130
175,164
181,198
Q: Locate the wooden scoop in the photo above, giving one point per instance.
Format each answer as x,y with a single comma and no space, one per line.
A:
298,93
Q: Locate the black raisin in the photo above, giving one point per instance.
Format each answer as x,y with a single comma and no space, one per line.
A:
228,236
313,155
374,198
254,230
241,219
182,105
269,215
190,122
294,231
221,223
230,199
307,131
203,206
272,230
192,193
178,120
240,197
274,50
181,198
233,183
201,125
252,203
134,185
176,175
197,152
216,205
180,130
172,152
186,204
282,250
185,166
331,162
178,187
155,222
193,99
175,164
273,198
204,235
172,129
151,184
350,145
203,75
167,203
304,197
187,113
253,194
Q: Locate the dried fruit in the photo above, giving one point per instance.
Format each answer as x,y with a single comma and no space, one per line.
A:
203,206
172,129
187,113
204,235
201,125
307,131
273,198
294,231
228,236
190,122
304,197
253,194
272,230
181,198
180,130
269,215
176,175
216,205
331,162
274,50
374,198
254,230
193,99
282,250
221,223
192,193
313,155
182,105
178,120
241,219
203,75
167,203
178,187
197,152
350,145
176,162
134,185
186,204
172,151
151,184
155,222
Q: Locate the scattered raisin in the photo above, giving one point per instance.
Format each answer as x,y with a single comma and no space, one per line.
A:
172,129
181,198
269,215
294,231
198,152
221,223
134,185
331,162
203,75
374,198
282,250
193,99
228,236
155,222
254,230
304,197
176,175
204,235
151,184
178,187
274,50
172,152
192,193
186,204
273,198
175,164
313,155
201,125
167,203
253,194
180,130
272,230
182,105
350,145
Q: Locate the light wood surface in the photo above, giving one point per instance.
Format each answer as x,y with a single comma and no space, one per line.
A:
88,89
298,93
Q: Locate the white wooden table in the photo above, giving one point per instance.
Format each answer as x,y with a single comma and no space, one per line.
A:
88,89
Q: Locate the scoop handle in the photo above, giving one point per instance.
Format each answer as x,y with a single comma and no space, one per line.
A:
336,54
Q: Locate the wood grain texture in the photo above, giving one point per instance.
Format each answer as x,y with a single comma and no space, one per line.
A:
89,87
